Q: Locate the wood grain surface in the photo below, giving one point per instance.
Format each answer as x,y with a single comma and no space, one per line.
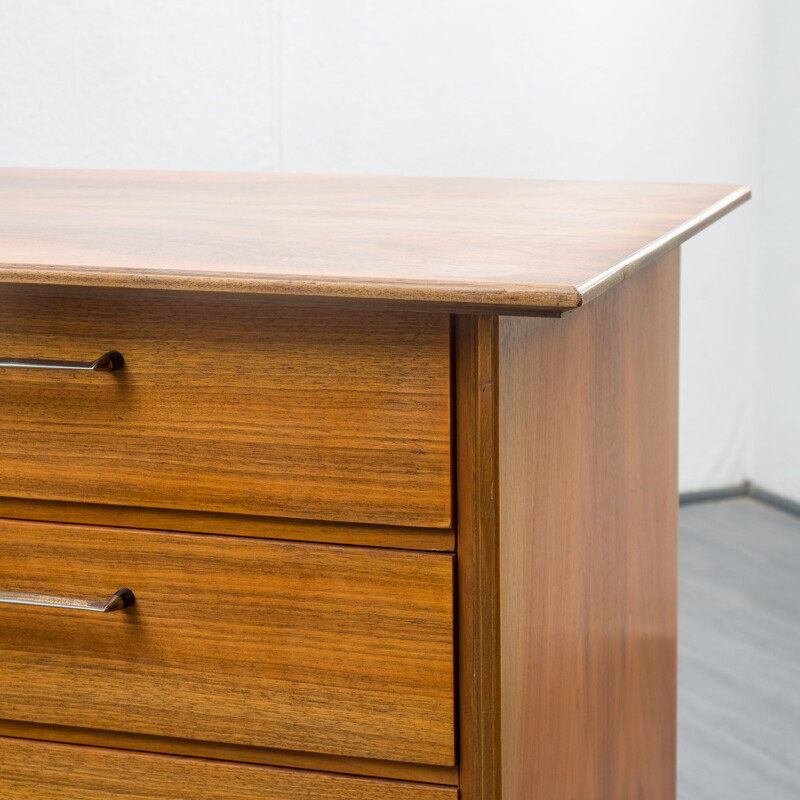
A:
363,535
478,557
464,244
319,648
228,407
246,754
588,553
39,771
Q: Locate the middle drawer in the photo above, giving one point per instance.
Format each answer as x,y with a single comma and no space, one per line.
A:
319,648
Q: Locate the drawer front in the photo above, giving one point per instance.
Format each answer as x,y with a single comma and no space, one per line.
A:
41,771
318,648
229,406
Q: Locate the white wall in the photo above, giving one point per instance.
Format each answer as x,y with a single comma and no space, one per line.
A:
182,84
623,89
776,440
629,90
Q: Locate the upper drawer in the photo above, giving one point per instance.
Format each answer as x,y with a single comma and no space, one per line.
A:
316,648
227,405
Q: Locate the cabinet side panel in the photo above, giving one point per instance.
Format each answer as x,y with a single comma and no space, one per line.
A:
588,545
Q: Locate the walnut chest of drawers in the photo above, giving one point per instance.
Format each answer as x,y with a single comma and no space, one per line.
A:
338,488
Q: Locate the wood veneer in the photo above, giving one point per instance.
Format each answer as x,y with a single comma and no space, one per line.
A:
369,767
40,771
391,536
236,408
478,556
336,650
463,244
567,547
306,401
588,546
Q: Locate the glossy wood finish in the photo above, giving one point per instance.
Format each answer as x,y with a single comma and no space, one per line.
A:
588,507
237,408
406,538
335,650
512,246
478,556
322,762
281,389
38,771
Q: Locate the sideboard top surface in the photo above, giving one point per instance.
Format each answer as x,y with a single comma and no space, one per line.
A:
463,244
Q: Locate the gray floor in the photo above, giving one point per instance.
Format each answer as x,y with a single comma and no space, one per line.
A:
739,652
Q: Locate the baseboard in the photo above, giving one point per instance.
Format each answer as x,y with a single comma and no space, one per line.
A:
706,495
775,500
745,489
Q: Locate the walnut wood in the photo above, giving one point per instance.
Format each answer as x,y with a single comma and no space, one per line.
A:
367,767
234,408
477,560
433,539
280,389
503,245
588,546
320,648
39,771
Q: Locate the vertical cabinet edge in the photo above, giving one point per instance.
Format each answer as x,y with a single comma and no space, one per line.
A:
478,578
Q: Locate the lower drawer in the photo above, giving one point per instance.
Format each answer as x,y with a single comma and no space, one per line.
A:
339,650
43,771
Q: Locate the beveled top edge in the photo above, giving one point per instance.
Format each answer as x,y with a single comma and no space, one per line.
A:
594,287
438,295
467,245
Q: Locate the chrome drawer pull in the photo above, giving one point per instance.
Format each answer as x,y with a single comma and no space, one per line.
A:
122,598
108,362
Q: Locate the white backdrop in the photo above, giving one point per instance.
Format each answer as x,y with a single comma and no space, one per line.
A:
583,89
776,439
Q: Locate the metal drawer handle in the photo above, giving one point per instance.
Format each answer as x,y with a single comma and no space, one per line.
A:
122,598
108,362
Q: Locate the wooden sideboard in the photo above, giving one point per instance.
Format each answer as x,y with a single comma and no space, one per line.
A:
387,467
